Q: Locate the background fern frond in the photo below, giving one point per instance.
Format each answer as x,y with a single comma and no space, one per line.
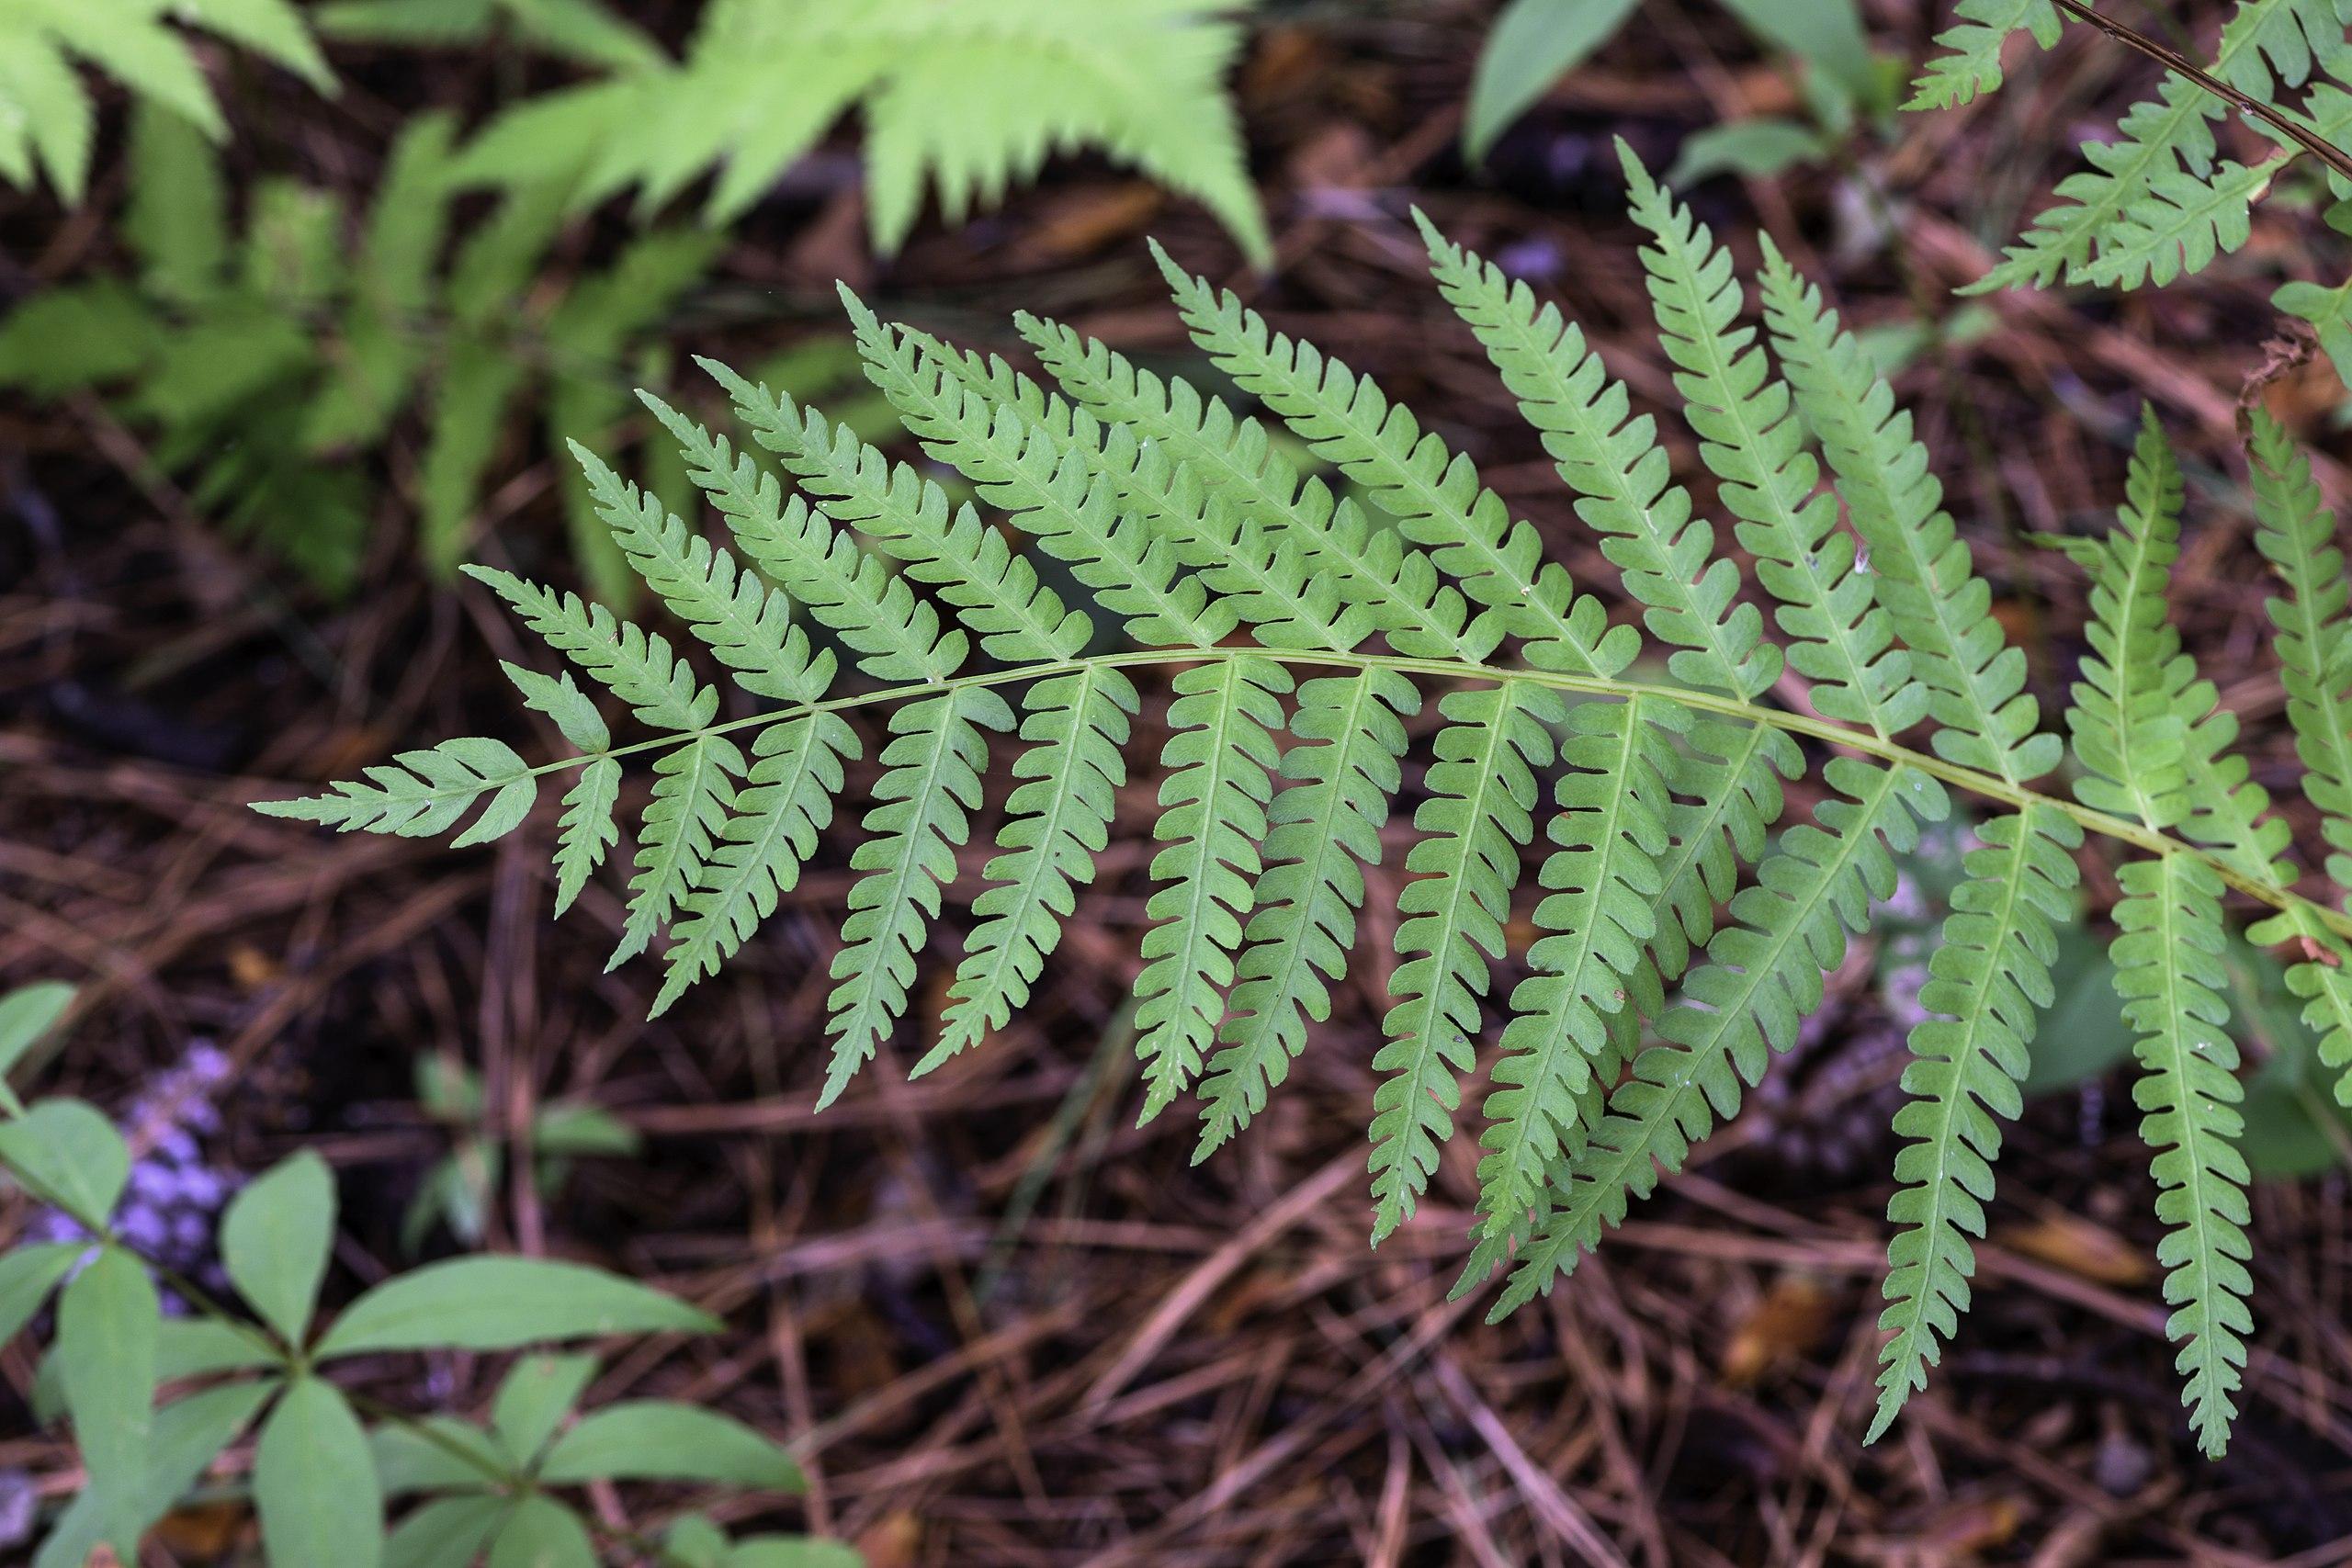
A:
920,819
1614,462
1750,436
1478,817
1435,494
52,120
1323,830
1057,821
966,99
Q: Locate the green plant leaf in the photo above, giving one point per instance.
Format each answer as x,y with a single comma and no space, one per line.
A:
70,1155
445,1532
437,1453
1755,149
657,1440
314,1483
188,1435
26,1014
275,1239
543,1533
107,1323
27,1276
498,1304
1532,45
537,1394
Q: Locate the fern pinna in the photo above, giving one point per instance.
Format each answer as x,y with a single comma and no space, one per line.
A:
1679,940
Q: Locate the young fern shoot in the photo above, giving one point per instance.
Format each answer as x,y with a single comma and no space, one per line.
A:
1679,943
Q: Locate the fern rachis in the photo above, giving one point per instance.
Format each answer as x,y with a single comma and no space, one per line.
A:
1275,610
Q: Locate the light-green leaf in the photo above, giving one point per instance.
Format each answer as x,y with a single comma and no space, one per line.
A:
314,1483
1532,44
107,1323
543,1533
657,1440
26,1014
497,1304
275,1239
70,1156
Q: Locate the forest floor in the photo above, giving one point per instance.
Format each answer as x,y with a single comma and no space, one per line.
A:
999,1323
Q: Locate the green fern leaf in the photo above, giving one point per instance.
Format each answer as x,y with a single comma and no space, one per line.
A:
1434,495
897,636
1058,820
1750,437
1073,514
919,822
2159,139
693,789
1478,818
995,592
747,626
1397,585
1989,977
1764,973
1921,572
1611,831
636,665
587,831
2170,971
1667,553
2296,533
788,801
421,793
1971,62
2180,225
1213,819
1324,828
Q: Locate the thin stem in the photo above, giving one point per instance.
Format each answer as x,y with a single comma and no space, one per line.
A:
1860,741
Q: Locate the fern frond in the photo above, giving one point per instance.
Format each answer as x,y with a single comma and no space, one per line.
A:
1073,514
897,636
693,789
587,830
1750,437
421,793
2170,971
2132,745
919,822
1058,820
1220,755
2296,533
996,593
1764,974
636,665
1435,494
745,625
2179,224
1323,828
965,99
1989,978
1971,62
1398,584
1921,571
2159,140
1599,917
51,120
1667,552
786,801
1478,818
1260,573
